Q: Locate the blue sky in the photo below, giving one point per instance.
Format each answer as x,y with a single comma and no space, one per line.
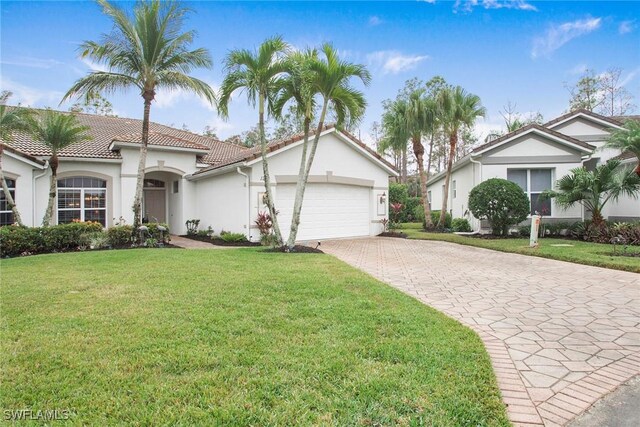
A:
516,51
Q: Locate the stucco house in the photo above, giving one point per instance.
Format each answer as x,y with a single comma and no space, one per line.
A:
190,176
534,157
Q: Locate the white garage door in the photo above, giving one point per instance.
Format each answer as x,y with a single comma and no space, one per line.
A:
328,211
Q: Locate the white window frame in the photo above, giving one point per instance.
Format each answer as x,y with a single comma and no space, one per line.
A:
454,192
82,207
7,179
528,192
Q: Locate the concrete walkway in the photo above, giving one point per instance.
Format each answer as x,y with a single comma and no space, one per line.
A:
183,242
560,335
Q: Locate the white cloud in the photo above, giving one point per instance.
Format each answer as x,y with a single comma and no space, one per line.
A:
626,27
394,62
374,21
557,36
168,98
468,5
30,62
629,77
579,69
93,66
29,96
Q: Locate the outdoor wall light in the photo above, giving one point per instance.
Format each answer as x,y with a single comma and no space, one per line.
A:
383,198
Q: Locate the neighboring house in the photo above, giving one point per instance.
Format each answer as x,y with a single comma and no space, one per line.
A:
535,157
191,176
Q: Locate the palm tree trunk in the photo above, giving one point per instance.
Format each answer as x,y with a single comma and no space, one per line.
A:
53,189
17,219
267,177
137,201
418,150
453,141
403,175
300,188
430,157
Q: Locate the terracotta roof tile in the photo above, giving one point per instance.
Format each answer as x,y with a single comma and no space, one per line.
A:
529,127
255,152
563,117
21,153
160,139
104,129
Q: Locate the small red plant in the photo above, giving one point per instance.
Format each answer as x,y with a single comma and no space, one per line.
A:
264,223
396,210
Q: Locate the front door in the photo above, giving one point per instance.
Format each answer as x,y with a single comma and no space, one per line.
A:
155,205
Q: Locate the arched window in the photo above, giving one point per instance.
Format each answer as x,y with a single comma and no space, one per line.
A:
82,198
6,215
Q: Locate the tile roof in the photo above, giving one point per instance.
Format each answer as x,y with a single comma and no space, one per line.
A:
21,153
612,120
103,130
160,139
625,155
526,129
255,152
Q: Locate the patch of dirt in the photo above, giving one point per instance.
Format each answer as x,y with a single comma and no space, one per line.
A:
393,234
299,249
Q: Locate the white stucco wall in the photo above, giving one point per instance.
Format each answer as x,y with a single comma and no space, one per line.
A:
23,174
222,203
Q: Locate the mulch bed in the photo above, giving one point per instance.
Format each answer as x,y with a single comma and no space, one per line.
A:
299,249
220,242
399,235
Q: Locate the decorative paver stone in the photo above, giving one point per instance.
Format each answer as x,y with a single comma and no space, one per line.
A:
560,335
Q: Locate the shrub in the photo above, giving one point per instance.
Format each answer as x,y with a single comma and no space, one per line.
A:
16,240
120,235
98,240
192,226
398,193
418,213
501,202
435,218
460,225
233,237
154,233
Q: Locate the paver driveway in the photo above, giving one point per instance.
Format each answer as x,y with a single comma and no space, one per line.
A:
560,335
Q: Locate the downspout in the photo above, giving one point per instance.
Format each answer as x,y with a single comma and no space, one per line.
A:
33,192
474,184
248,185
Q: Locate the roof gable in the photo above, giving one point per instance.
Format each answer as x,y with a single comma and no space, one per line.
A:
597,121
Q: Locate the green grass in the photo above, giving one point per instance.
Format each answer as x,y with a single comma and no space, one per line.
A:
596,254
233,337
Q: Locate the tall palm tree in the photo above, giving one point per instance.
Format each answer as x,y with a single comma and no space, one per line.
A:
593,189
409,119
258,74
147,51
11,120
627,139
328,78
57,131
458,109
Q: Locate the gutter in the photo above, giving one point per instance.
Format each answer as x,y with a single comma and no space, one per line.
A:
248,185
479,163
212,172
33,191
583,161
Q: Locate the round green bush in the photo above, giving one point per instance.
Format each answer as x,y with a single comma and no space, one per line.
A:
460,225
501,202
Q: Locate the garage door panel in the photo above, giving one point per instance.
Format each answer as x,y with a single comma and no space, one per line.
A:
328,211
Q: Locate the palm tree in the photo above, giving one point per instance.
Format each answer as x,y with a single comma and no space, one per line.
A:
11,120
329,79
458,109
627,139
258,74
593,189
411,118
147,51
57,131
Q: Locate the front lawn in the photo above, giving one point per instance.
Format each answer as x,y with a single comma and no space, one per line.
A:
233,337
580,252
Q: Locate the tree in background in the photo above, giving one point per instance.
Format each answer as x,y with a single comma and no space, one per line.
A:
12,119
458,109
586,93
93,103
210,131
257,74
514,120
56,131
616,99
146,51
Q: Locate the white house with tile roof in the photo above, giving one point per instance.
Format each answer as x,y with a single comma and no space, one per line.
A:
535,157
190,176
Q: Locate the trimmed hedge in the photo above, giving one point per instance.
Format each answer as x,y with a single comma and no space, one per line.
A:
15,240
460,225
501,202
